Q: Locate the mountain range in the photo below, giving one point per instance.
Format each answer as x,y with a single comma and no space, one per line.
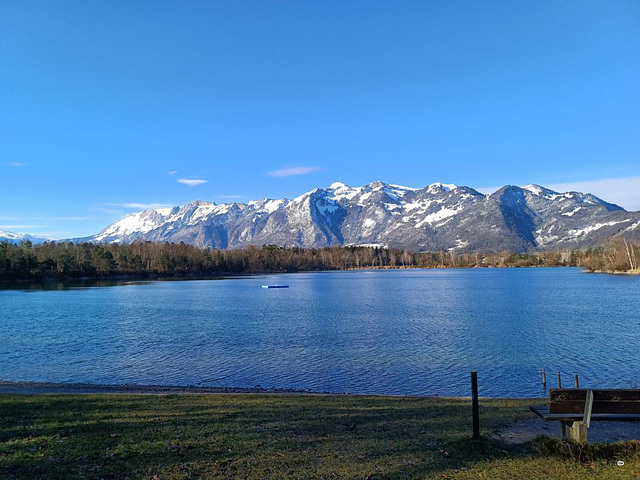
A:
436,217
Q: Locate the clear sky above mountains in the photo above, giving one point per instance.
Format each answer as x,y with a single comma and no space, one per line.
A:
109,107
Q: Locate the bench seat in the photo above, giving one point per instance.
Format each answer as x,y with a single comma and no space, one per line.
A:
543,412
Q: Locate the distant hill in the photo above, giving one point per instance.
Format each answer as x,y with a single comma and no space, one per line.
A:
20,237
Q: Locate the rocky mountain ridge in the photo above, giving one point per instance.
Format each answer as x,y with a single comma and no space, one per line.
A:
436,217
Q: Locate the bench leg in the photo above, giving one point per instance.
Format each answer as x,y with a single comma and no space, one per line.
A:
574,431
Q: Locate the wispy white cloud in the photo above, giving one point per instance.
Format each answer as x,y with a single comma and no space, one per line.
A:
172,172
143,206
50,236
293,171
108,211
21,227
15,164
65,219
192,182
8,219
623,191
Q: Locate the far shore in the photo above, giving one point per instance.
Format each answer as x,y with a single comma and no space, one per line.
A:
615,272
142,277
151,277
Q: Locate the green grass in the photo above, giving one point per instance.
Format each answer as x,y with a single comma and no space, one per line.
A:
280,436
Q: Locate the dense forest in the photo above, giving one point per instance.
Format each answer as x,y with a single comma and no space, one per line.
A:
77,260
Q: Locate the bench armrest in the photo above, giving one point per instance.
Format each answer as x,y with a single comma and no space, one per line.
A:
588,406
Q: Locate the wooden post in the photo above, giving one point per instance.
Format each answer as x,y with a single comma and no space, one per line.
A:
559,381
474,405
577,383
574,431
544,379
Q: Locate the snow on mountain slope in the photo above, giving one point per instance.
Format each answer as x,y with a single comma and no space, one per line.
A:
12,237
438,216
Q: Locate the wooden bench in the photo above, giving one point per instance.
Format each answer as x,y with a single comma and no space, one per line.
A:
576,409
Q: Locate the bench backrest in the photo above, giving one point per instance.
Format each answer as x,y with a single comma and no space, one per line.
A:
604,401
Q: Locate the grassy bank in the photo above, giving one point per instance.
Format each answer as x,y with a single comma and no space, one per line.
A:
279,436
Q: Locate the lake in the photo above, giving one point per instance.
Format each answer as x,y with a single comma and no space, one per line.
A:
400,332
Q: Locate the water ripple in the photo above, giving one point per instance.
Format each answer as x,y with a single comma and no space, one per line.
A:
382,332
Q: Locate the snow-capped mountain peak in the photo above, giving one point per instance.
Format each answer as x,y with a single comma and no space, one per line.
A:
436,217
445,187
12,237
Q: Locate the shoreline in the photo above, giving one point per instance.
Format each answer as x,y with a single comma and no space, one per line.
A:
59,388
614,272
141,277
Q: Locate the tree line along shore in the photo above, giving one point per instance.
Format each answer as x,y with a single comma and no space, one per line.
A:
56,260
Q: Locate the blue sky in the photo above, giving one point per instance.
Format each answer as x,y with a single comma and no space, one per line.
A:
109,107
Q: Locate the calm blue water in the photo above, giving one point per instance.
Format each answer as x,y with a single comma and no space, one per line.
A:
384,332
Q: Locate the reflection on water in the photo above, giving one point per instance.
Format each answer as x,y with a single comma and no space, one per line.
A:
69,284
386,332
66,284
